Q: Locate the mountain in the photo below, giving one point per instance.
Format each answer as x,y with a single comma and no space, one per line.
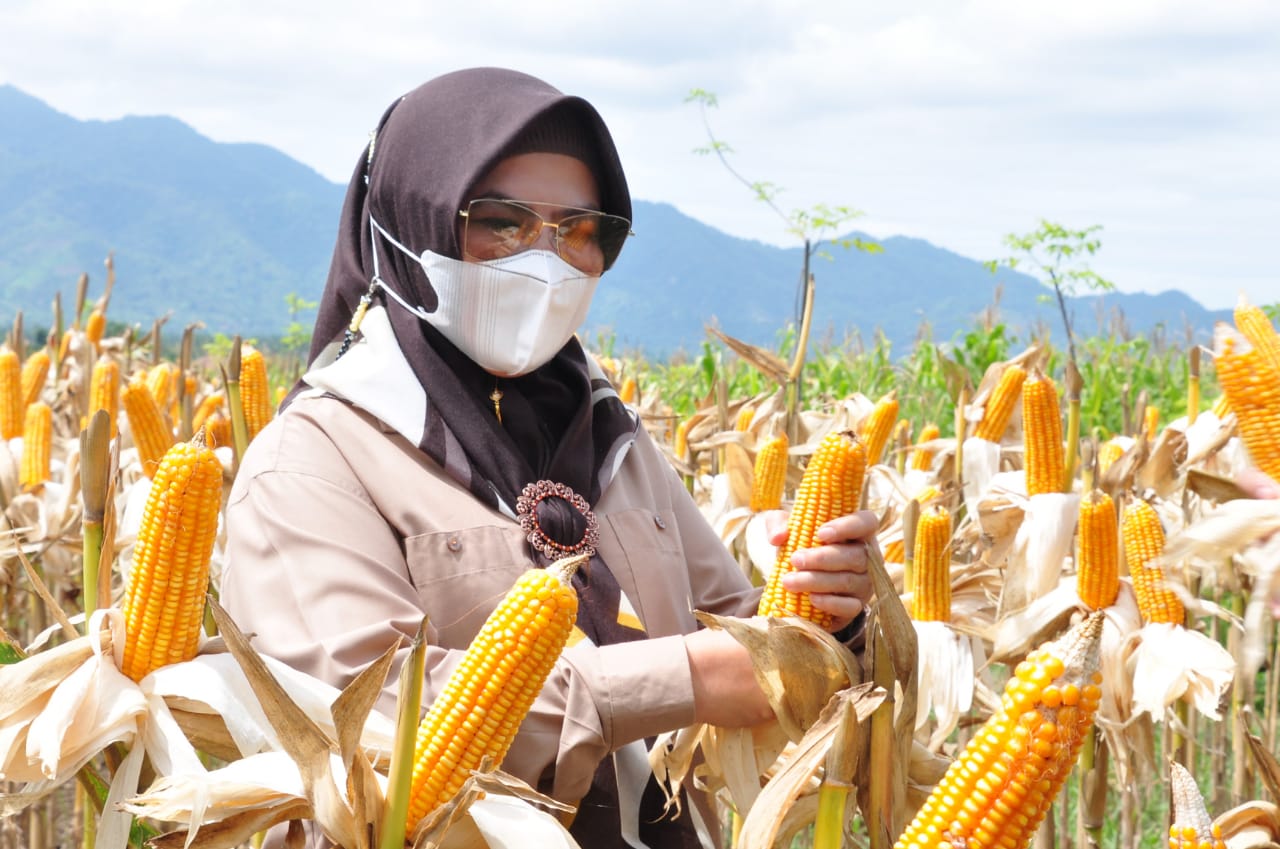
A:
221,233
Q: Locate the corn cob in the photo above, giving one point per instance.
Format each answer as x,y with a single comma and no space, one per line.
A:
1254,396
37,439
997,792
921,458
164,600
1098,561
1192,827
1254,325
746,415
1151,422
830,487
877,427
770,474
488,694
254,391
104,390
999,407
35,371
151,434
1042,429
1221,405
895,551
931,573
680,442
10,394
627,394
210,404
1143,542
94,326
160,379
1110,451
218,430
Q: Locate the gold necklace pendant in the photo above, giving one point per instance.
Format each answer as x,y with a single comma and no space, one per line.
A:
496,397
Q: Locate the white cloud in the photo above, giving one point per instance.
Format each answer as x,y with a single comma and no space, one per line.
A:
953,121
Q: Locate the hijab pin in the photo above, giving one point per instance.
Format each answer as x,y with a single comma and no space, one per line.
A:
357,317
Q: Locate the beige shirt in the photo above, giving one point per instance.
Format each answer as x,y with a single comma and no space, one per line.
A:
342,535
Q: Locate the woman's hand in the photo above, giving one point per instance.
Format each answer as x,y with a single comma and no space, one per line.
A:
834,573
1257,484
725,692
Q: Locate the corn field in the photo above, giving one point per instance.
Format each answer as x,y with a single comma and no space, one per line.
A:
1024,499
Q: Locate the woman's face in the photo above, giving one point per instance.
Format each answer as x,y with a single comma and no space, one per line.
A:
552,186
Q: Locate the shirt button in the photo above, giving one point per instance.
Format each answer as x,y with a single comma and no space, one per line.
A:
455,544
658,520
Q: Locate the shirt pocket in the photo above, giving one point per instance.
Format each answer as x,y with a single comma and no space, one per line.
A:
643,550
462,575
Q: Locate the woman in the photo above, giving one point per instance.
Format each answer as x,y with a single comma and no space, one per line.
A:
474,229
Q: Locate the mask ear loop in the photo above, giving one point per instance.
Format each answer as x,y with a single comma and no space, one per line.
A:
375,284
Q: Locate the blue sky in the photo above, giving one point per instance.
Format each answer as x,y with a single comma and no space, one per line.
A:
956,122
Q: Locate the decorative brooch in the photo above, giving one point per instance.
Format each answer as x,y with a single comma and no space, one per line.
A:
527,512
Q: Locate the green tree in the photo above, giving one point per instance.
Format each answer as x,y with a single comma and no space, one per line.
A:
814,226
1059,256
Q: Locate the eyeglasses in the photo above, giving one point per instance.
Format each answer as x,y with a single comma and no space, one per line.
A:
586,239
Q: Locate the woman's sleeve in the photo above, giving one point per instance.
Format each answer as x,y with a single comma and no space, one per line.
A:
317,575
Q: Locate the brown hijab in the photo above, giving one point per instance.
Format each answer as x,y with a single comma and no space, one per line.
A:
562,424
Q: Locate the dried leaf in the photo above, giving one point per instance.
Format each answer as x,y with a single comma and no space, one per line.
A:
772,815
1265,761
1213,487
235,830
1252,825
797,664
300,737
765,362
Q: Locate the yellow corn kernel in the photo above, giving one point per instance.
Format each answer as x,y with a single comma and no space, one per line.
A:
1143,539
487,696
627,394
218,430
1254,396
931,570
1151,422
770,475
35,372
254,393
151,434
37,441
164,599
746,415
1042,430
831,486
680,442
10,394
160,380
1098,560
1000,406
209,404
1110,451
921,458
877,427
104,391
1192,827
1254,325
94,326
997,792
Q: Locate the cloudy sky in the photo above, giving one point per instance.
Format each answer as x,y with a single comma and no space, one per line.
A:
956,121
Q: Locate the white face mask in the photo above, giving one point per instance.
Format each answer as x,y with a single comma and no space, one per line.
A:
509,315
